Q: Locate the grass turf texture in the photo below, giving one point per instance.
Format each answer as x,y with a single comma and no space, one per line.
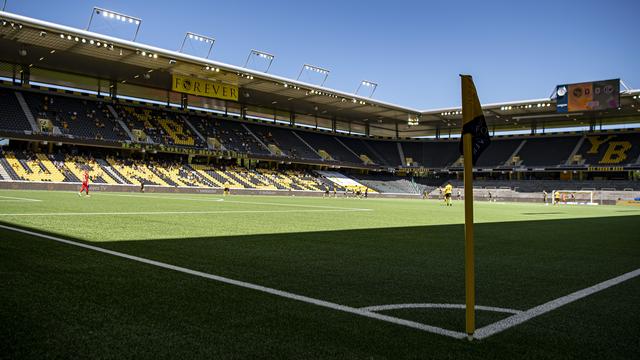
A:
63,301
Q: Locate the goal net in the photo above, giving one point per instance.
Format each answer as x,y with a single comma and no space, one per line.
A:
574,197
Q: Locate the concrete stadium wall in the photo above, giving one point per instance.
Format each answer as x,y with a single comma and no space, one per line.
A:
601,197
51,186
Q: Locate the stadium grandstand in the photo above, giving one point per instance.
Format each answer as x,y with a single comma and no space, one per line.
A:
231,155
54,102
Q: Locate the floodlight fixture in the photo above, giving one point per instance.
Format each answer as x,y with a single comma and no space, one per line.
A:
197,37
369,84
108,14
262,55
316,69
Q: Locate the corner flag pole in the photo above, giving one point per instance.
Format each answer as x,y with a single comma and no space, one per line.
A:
475,138
469,261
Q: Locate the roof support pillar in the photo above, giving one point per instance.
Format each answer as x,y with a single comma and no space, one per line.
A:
334,125
113,89
292,118
25,75
367,129
184,101
397,132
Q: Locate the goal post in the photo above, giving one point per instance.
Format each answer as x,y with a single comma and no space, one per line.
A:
574,197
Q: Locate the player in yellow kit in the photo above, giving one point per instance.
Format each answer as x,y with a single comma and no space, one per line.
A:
447,194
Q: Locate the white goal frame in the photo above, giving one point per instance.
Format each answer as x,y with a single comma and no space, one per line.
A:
576,201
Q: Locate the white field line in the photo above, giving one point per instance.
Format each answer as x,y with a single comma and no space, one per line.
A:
243,284
437,306
11,198
180,212
237,202
526,315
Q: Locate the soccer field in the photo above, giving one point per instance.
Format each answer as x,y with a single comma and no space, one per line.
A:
182,276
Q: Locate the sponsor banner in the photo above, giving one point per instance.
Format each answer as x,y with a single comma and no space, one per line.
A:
201,87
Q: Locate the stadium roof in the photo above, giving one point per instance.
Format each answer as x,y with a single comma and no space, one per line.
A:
74,55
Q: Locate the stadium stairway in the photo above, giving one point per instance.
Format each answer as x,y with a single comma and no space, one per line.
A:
120,122
77,165
27,112
4,173
225,179
137,175
109,170
234,174
206,173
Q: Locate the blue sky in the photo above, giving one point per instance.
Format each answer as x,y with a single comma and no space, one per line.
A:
414,49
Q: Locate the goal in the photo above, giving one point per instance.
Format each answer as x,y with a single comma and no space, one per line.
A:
574,197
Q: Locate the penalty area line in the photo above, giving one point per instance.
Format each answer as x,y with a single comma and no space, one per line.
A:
247,285
527,315
169,197
12,198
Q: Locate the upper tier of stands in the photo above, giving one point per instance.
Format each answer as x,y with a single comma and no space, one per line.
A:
285,140
163,127
231,134
81,118
12,117
91,118
614,149
498,153
329,144
432,154
547,151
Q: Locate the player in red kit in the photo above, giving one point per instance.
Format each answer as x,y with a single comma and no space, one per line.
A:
85,183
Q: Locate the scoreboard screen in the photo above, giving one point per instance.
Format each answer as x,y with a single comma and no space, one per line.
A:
589,96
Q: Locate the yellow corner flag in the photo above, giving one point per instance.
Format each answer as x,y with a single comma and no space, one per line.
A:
475,138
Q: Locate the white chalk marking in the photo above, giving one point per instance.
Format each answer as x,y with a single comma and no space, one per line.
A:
527,315
243,284
180,212
236,201
11,198
437,306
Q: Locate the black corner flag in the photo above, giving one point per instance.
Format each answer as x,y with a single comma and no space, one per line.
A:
474,124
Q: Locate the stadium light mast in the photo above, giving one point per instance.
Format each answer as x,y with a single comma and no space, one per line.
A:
197,37
369,84
108,14
4,6
316,69
262,55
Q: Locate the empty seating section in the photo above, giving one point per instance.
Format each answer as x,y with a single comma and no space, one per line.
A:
28,166
387,151
78,164
435,154
285,140
12,118
82,118
547,151
498,152
162,127
231,134
610,149
388,183
329,144
136,172
360,147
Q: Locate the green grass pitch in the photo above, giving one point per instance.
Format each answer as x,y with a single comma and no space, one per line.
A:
63,301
